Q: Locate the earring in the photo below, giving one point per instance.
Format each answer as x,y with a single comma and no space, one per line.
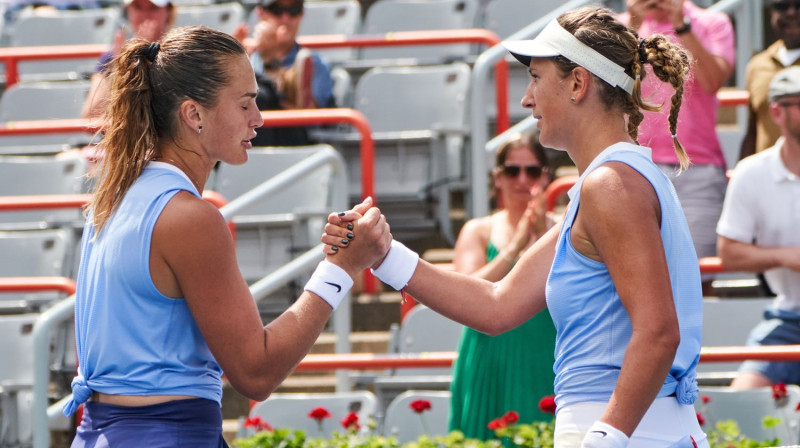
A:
200,128
572,99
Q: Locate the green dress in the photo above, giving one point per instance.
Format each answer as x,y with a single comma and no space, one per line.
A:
508,372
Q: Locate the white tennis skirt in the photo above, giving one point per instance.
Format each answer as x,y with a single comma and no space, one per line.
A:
667,424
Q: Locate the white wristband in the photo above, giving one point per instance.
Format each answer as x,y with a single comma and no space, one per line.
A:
603,435
398,266
330,283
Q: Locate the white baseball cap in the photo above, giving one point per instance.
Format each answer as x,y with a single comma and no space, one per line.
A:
159,3
554,40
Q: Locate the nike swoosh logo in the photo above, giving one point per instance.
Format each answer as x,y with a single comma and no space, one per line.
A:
338,288
602,432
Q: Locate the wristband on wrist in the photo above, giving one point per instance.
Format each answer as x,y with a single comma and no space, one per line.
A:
398,266
603,435
330,282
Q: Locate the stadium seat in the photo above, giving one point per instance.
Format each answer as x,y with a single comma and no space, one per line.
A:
505,17
749,407
42,175
16,373
419,150
422,330
407,425
33,253
43,101
291,410
224,17
386,16
62,27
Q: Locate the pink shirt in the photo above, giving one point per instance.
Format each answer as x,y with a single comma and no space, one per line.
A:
697,119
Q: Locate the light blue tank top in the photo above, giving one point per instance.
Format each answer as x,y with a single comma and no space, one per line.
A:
131,339
592,325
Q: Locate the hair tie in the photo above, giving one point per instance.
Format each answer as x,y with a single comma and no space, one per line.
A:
642,51
151,51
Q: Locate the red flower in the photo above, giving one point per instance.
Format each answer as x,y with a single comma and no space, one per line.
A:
420,406
257,424
497,423
548,404
511,417
351,421
778,391
319,414
706,399
701,419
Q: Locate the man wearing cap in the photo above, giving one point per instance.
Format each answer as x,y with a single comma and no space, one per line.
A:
148,20
288,75
762,132
708,37
758,232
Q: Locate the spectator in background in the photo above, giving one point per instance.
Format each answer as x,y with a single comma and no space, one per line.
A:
762,131
708,37
148,20
288,75
514,370
157,327
759,231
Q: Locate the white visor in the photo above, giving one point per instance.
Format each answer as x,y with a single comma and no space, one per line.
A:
556,41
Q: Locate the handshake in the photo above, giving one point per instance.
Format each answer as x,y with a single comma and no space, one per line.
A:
355,240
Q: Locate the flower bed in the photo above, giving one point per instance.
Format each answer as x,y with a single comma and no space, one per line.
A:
507,428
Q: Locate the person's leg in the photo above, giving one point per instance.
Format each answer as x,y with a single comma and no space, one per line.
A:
753,374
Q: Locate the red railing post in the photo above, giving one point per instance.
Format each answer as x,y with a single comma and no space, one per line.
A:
37,284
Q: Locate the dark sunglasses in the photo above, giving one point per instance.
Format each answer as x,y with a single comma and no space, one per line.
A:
277,9
783,6
532,171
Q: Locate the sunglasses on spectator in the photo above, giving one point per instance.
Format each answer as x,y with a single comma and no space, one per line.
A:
783,6
532,171
277,9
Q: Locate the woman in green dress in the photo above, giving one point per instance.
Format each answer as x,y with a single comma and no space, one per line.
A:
512,371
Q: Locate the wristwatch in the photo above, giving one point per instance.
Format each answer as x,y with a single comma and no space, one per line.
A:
687,26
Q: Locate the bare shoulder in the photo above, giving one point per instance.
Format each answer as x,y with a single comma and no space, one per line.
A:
188,219
616,186
475,231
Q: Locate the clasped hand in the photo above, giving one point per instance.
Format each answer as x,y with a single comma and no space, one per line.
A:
358,238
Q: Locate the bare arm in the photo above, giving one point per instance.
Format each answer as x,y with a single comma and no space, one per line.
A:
491,308
618,224
746,257
710,71
195,258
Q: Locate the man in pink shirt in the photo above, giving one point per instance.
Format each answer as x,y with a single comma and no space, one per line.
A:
708,37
